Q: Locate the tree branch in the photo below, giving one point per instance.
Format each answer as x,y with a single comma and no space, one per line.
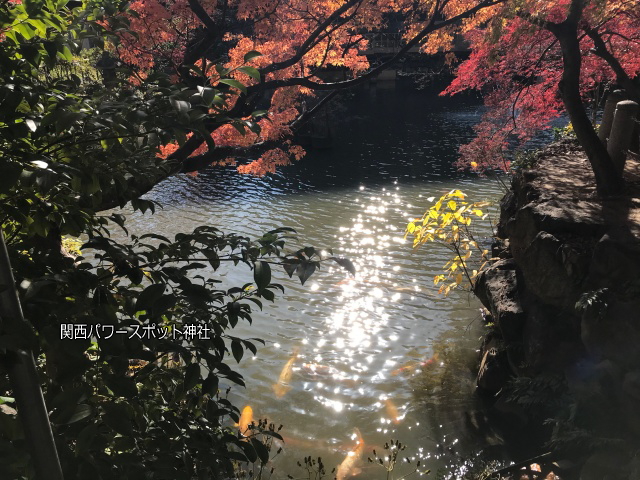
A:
430,28
309,42
621,75
202,15
198,162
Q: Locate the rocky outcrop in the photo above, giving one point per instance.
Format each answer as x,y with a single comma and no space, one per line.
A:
564,292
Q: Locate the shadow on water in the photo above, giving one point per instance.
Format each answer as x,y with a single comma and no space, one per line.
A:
380,135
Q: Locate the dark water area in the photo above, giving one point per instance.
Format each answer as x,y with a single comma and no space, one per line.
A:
382,352
379,134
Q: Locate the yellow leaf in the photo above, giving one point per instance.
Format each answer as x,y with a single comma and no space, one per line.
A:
458,279
452,205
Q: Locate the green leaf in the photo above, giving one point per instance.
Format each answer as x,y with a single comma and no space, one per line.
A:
346,264
10,174
249,451
162,304
117,417
262,275
65,120
82,411
237,350
86,438
208,94
305,270
121,386
267,295
180,106
192,376
234,83
66,54
233,309
261,450
149,295
31,124
210,385
214,260
251,55
291,266
251,71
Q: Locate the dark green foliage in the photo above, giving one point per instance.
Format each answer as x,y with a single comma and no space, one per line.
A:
144,403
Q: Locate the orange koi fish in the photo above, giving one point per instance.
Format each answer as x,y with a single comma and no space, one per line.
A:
349,467
392,411
282,387
409,368
345,281
245,420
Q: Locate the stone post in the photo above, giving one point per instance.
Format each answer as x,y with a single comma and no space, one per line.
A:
607,116
624,122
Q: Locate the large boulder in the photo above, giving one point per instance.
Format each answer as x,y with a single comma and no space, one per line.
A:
497,289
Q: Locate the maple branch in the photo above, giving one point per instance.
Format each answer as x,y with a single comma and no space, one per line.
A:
202,14
430,28
621,75
309,42
198,162
534,20
306,116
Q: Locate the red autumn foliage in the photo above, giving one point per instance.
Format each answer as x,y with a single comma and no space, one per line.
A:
517,63
517,60
297,40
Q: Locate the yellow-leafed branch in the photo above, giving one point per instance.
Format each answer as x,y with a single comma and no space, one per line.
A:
448,222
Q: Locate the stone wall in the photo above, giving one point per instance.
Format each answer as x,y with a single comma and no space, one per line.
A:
563,290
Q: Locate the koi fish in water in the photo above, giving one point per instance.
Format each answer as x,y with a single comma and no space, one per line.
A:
282,387
246,418
349,465
392,411
414,366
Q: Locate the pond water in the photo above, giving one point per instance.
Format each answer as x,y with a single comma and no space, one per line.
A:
393,148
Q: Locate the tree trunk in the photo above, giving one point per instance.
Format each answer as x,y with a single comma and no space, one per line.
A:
608,181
